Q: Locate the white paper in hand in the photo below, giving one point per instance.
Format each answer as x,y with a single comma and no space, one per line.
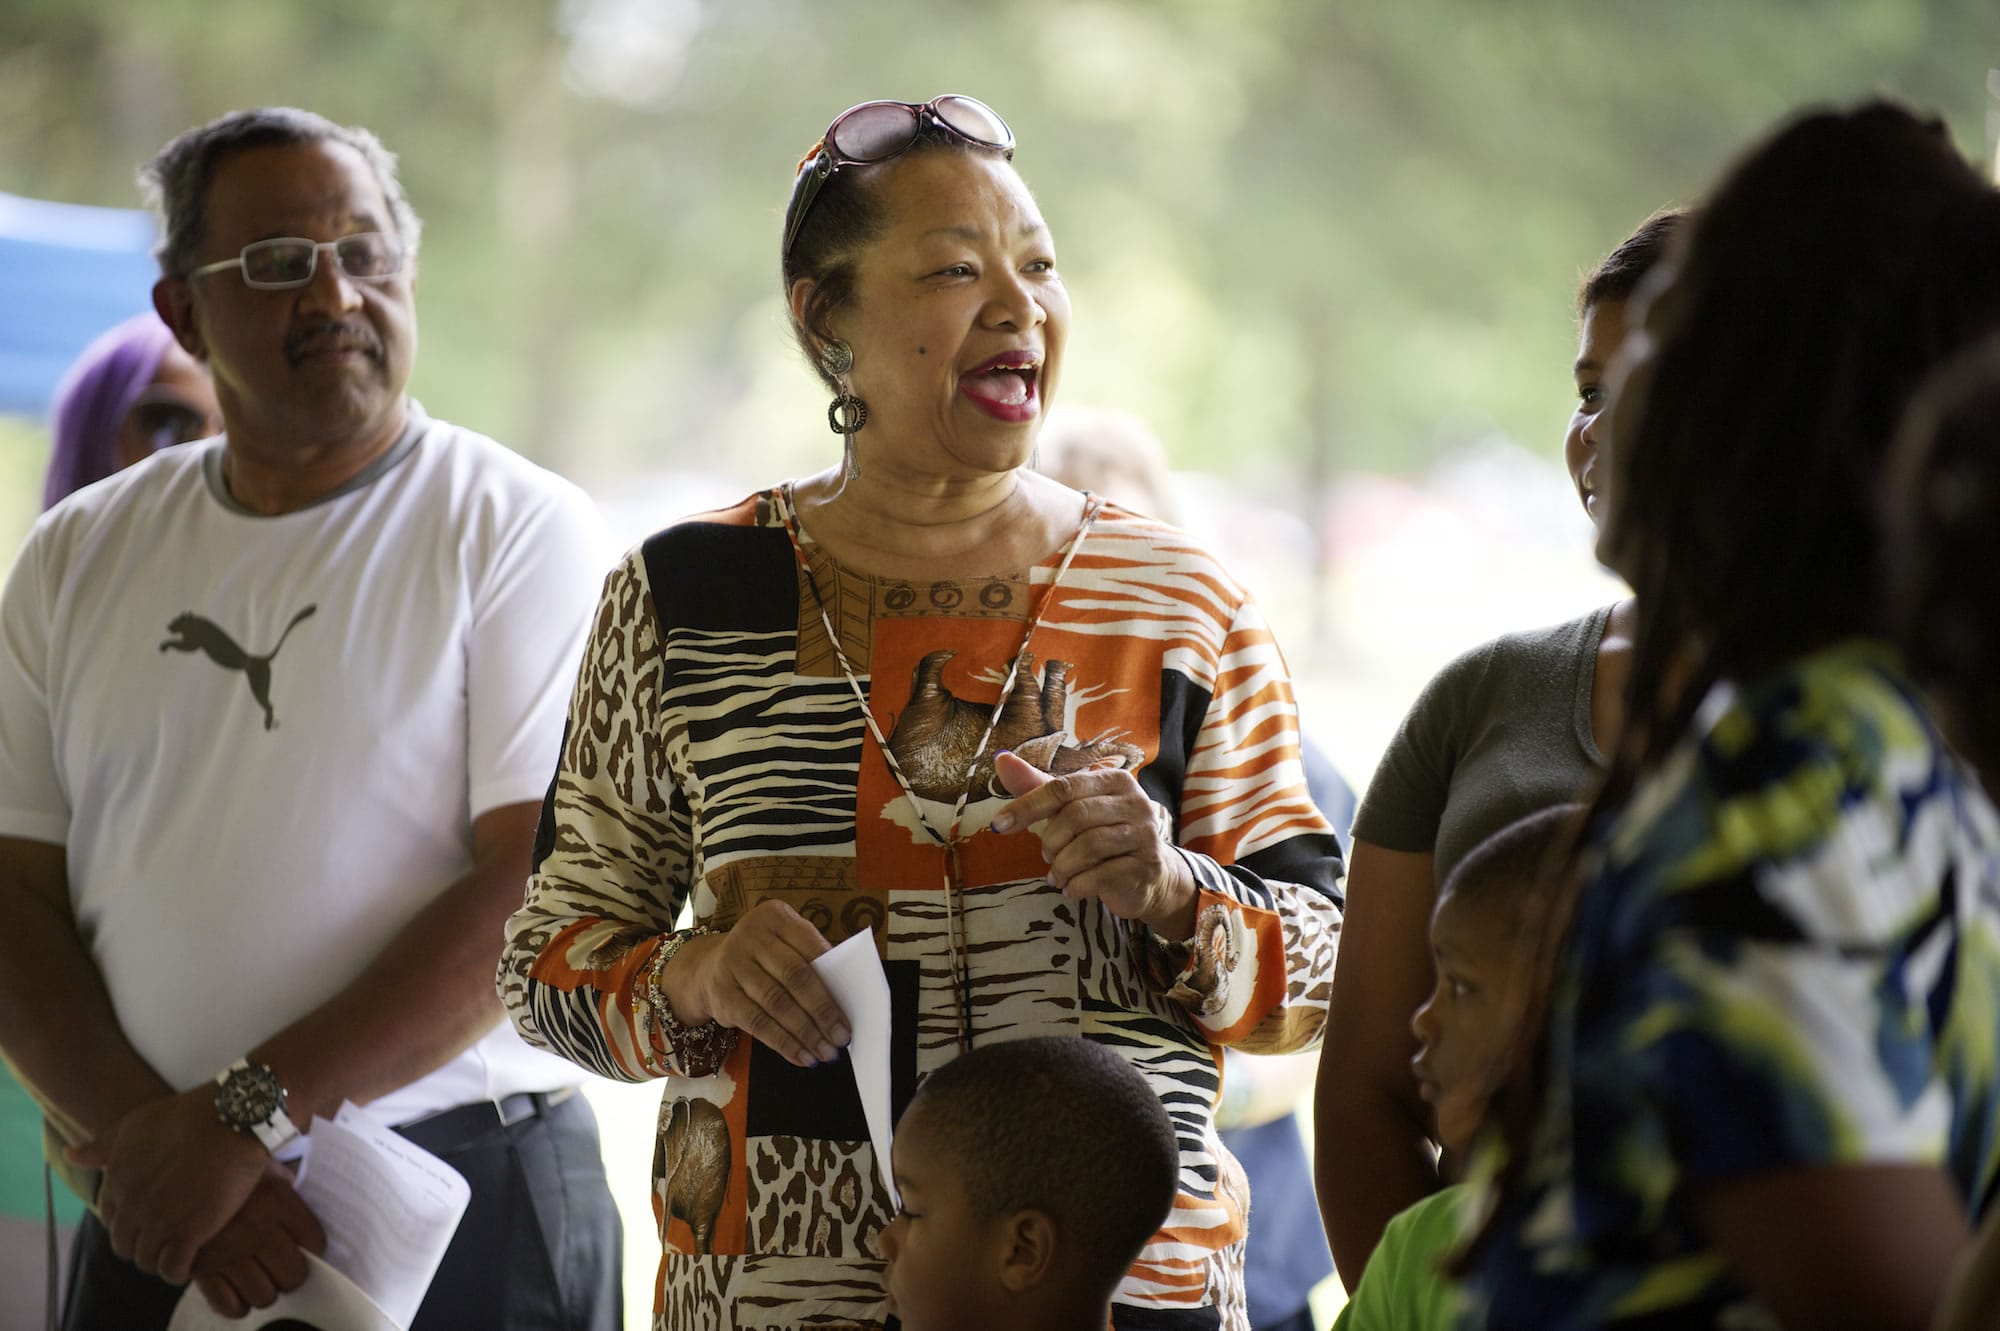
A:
388,1206
852,972
328,1300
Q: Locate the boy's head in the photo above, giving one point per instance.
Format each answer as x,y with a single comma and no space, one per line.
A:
1032,1172
1466,1029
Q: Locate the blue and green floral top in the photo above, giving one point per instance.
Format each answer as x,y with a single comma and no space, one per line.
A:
1787,956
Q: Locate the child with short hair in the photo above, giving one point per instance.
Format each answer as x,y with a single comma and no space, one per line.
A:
1031,1172
1482,932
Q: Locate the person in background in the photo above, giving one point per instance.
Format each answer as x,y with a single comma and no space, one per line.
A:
1116,454
132,392
1516,724
1495,901
1765,1090
1941,516
1041,749
276,713
1031,1173
1109,452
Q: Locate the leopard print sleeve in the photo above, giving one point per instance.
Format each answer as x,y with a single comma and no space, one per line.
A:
612,857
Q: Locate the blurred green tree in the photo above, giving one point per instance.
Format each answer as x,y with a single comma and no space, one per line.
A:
1302,237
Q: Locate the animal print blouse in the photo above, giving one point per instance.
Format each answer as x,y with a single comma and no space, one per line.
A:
717,756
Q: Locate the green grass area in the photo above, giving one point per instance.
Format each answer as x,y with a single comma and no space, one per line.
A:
24,455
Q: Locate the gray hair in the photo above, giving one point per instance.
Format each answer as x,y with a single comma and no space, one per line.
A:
176,181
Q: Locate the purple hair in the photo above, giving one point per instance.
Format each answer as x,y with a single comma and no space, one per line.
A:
93,398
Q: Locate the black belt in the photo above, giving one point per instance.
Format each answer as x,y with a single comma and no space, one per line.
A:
454,1127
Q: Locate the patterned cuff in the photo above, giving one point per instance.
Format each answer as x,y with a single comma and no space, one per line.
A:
693,1051
1195,972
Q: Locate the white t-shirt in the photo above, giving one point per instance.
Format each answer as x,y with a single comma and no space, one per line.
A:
263,740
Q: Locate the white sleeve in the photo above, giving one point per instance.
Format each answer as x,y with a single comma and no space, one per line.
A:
32,802
531,611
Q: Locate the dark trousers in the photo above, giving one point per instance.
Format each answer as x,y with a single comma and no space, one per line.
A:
539,1248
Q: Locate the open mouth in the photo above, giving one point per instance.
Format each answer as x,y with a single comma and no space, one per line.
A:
1004,386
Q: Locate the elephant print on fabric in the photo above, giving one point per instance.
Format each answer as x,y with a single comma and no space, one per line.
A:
938,732
694,1144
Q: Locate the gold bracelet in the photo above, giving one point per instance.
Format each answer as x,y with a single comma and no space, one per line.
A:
699,1050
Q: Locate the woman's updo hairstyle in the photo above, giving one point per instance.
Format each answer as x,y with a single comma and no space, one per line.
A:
845,216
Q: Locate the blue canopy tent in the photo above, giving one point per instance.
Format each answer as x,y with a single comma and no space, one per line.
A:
67,273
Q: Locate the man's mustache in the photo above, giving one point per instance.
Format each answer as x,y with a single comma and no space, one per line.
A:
308,338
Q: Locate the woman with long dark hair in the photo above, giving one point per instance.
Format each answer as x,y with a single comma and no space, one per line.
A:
1942,508
1767,1074
1942,586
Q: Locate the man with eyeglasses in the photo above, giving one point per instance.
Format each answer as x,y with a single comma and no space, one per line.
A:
276,715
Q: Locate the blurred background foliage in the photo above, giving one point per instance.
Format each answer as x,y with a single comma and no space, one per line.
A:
1310,241
1303,238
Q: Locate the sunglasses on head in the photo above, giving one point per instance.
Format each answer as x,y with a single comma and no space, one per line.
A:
877,131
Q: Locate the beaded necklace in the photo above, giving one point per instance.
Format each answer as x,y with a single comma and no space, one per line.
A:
949,840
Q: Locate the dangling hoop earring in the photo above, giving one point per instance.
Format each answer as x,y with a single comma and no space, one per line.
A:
847,413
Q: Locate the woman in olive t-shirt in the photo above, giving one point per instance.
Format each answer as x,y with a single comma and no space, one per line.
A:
1513,726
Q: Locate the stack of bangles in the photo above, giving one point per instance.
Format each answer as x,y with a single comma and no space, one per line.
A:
698,1051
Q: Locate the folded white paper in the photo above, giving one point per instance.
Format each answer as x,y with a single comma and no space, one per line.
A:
388,1206
852,972
328,1301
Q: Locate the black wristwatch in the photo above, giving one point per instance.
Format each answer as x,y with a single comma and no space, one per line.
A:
250,1098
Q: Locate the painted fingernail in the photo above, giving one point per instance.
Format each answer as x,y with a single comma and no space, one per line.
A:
841,1035
827,1053
1003,822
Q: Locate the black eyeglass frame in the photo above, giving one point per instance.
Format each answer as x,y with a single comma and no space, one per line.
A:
830,157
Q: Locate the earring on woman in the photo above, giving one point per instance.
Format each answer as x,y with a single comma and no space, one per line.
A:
847,413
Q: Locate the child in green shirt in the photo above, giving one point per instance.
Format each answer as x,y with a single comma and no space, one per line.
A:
1485,917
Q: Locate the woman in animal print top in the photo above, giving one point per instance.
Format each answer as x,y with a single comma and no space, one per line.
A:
1074,805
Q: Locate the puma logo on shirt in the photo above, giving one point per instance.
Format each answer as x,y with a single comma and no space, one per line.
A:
193,633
